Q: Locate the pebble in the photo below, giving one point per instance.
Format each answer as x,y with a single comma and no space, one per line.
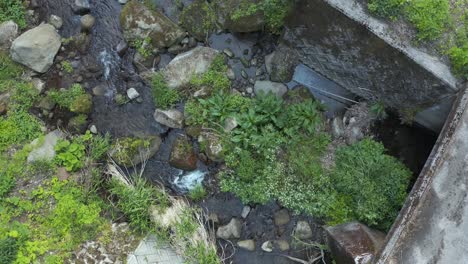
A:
122,2
254,62
244,74
245,211
56,21
228,53
267,246
87,22
93,129
132,93
249,90
247,244
231,74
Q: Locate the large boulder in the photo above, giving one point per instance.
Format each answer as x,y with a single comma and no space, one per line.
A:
139,22
182,155
354,241
182,68
239,22
37,47
8,32
172,118
265,87
44,150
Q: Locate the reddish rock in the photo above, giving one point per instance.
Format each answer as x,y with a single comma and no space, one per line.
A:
354,243
182,155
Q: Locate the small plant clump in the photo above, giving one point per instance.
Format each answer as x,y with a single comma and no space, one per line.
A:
198,193
215,78
74,99
124,150
13,10
67,66
163,96
143,46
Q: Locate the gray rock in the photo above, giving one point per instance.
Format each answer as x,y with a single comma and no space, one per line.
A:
283,245
267,246
351,241
231,230
56,21
132,93
123,2
337,127
245,211
46,150
265,87
228,53
303,230
37,47
181,69
171,118
214,148
8,32
93,129
121,48
81,6
249,90
247,244
231,74
247,23
100,90
38,84
281,64
140,22
281,217
87,22
244,74
230,123
46,103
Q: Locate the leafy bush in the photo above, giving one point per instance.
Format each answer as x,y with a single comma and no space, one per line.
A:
386,8
163,96
70,155
123,150
430,17
67,66
459,58
17,128
8,68
13,10
378,110
215,78
8,250
143,46
374,184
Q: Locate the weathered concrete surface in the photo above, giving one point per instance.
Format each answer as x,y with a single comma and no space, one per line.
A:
150,251
341,41
433,225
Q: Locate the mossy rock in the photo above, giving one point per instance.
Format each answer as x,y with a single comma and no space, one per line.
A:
139,22
182,155
226,9
82,104
199,19
131,151
297,95
78,124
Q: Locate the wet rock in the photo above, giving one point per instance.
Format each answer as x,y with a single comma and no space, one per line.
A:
282,245
281,64
180,70
87,22
245,211
302,230
231,74
281,217
132,93
56,21
100,90
78,124
228,53
354,241
267,246
193,131
230,124
247,244
139,22
81,7
45,150
143,63
8,32
121,48
123,2
246,23
171,118
176,49
199,19
36,48
265,87
231,230
212,145
133,151
183,156
244,74
298,94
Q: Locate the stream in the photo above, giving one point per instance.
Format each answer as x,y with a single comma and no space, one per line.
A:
101,66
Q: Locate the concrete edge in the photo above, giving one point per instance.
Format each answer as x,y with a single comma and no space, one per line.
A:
355,11
423,183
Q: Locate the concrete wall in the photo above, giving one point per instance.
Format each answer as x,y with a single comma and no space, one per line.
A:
339,40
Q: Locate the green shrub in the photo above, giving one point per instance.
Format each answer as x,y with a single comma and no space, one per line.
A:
8,250
143,46
17,128
71,155
378,110
82,104
8,68
431,17
373,183
198,193
67,67
305,117
13,10
123,150
459,59
386,8
99,146
163,96
75,99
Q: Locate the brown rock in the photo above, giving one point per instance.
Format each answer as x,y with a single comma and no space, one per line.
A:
182,155
352,241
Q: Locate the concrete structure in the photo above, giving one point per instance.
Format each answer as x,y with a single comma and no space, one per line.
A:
150,251
340,40
433,225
